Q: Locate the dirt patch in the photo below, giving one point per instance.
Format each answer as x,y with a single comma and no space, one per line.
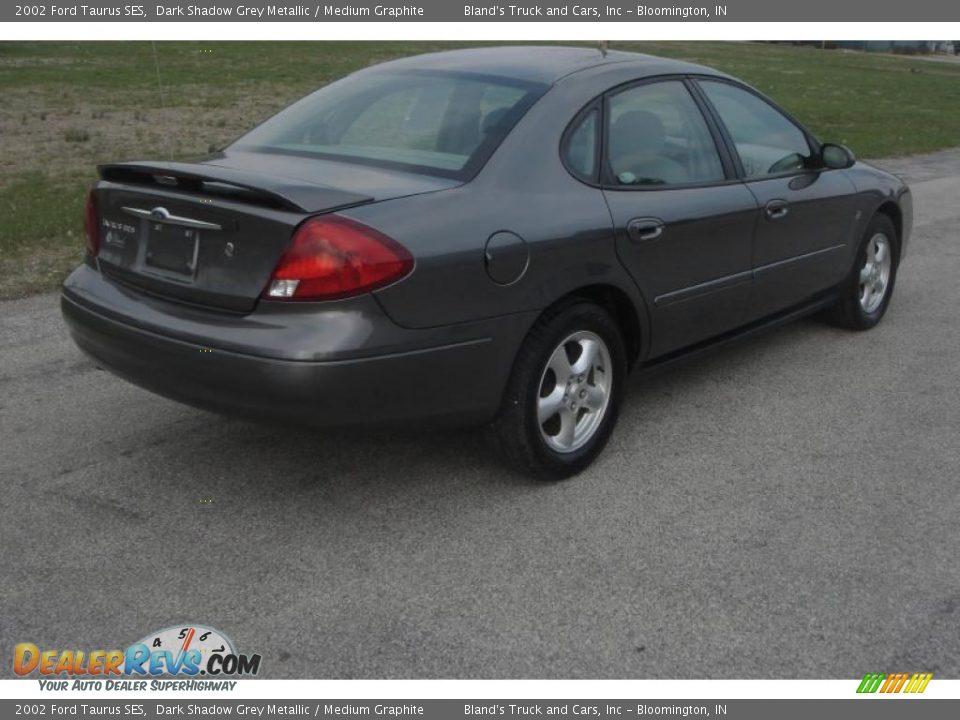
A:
44,267
69,132
51,142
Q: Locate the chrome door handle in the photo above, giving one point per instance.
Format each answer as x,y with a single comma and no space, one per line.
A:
776,209
642,229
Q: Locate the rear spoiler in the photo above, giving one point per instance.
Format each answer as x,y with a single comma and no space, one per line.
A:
214,180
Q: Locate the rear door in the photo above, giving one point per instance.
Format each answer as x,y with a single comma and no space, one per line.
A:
684,224
806,212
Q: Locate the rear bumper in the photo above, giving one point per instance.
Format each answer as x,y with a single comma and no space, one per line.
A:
448,376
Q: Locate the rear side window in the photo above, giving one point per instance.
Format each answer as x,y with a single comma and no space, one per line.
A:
581,149
767,141
440,123
658,136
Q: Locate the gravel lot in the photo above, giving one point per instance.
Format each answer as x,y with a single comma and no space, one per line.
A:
784,508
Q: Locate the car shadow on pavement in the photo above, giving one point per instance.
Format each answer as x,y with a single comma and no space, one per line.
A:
236,456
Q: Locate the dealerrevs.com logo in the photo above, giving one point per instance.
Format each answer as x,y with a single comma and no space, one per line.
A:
180,651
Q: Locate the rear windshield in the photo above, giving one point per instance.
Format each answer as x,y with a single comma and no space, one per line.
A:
438,123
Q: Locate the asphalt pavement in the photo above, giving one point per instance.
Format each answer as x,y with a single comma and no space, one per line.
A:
785,508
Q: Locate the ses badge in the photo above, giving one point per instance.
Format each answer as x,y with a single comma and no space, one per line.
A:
117,233
179,650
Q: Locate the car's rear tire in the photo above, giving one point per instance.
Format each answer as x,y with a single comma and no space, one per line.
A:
866,293
564,394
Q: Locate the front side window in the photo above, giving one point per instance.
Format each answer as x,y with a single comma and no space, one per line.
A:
443,123
658,136
767,142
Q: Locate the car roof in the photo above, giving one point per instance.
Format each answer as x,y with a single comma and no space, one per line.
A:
539,63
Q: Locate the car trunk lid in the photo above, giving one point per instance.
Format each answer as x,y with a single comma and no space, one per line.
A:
211,234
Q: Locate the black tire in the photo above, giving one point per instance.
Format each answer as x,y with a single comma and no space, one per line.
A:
848,312
516,433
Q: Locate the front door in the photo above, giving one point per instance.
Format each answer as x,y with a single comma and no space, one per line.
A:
805,213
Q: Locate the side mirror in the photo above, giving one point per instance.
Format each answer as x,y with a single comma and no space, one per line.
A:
836,157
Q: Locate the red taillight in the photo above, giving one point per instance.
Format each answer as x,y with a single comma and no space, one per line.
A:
91,225
333,257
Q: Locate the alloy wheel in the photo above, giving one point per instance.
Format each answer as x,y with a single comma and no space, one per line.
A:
574,391
875,273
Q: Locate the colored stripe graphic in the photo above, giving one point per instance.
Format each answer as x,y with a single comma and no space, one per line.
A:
894,682
913,684
901,679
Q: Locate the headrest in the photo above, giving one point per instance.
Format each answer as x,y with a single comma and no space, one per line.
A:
493,119
637,131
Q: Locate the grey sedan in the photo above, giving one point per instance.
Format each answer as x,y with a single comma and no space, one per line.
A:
490,236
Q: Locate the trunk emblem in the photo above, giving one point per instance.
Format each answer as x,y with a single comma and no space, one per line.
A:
229,249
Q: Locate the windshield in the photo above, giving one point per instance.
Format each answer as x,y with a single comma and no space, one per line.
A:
440,123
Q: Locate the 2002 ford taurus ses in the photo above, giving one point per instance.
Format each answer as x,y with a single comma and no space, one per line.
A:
481,236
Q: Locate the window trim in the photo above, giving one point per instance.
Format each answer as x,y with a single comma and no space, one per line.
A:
813,143
607,176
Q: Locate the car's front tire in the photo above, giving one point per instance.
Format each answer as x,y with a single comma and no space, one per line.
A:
866,293
564,394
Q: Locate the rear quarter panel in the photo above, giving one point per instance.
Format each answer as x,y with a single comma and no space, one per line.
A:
524,189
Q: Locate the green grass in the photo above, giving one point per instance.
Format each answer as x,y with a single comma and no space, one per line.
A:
69,106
